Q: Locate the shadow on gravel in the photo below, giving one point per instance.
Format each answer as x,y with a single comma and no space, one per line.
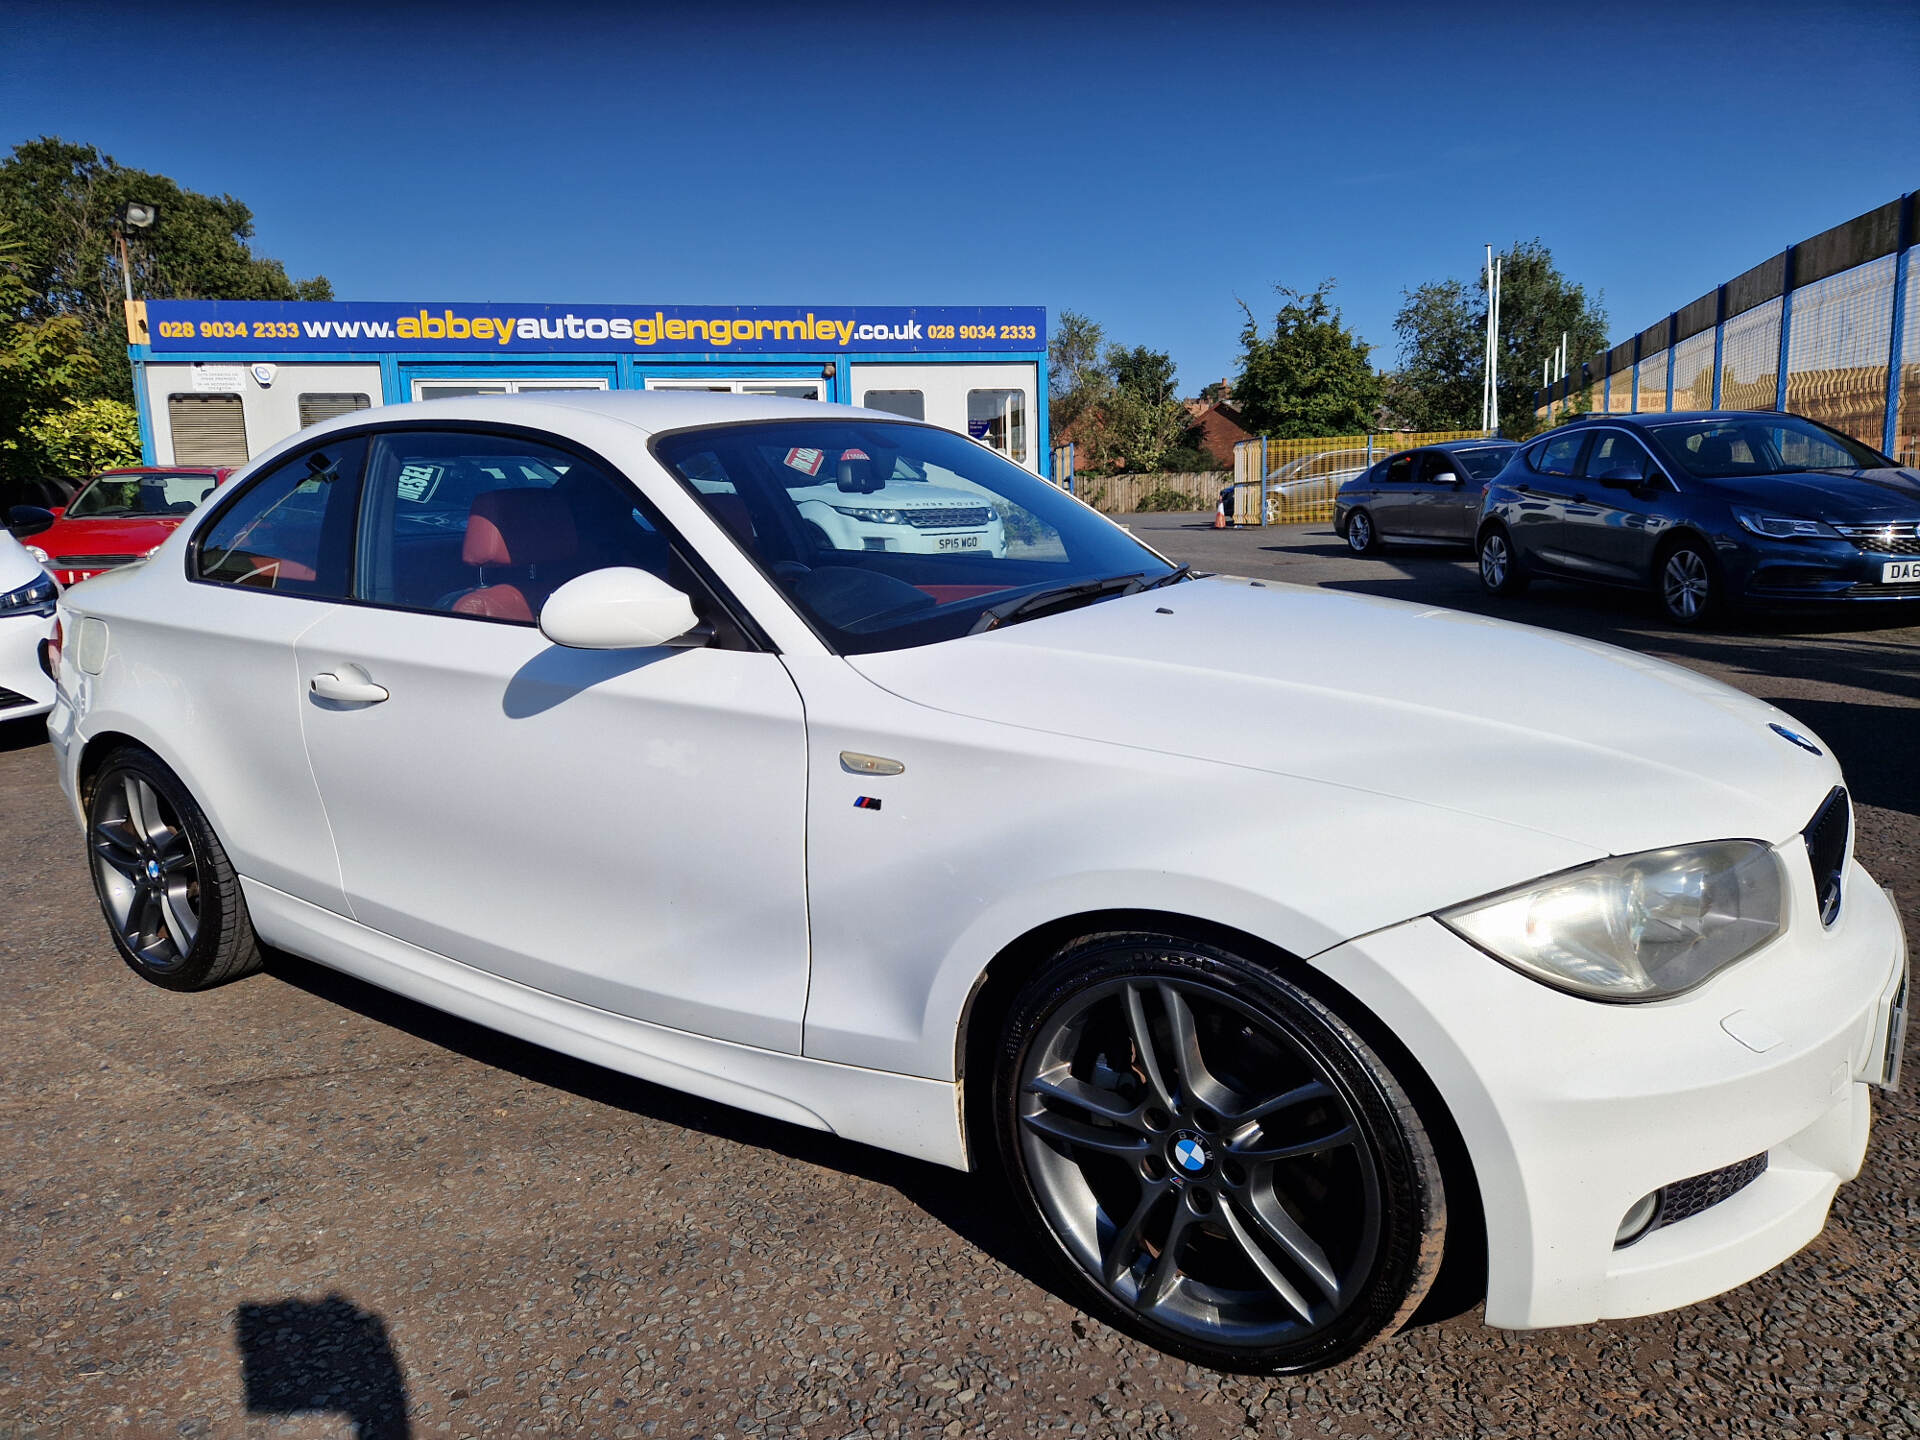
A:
966,1203
22,734
305,1357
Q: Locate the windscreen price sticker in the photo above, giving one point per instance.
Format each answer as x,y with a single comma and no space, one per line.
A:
1900,572
807,461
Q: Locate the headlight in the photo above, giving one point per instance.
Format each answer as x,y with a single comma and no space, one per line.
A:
1782,527
36,597
874,517
1636,927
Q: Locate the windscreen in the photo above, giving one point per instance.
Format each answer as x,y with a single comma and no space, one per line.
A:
1484,464
1742,445
141,495
887,536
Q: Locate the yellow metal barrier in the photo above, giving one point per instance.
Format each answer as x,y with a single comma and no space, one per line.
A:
1292,482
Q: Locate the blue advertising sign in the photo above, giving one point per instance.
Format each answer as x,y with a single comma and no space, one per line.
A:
360,326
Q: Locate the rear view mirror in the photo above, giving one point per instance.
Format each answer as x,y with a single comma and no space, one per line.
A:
26,520
1621,477
620,609
1446,477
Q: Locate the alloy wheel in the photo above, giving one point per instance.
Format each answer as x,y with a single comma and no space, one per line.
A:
1359,532
1198,1163
147,872
1494,561
1686,584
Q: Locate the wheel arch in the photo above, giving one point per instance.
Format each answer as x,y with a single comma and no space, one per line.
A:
1671,541
1463,1275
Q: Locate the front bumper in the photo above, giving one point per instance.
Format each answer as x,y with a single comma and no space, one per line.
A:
1572,1110
25,690
1785,573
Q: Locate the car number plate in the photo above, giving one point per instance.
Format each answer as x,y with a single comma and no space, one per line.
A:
1896,572
959,542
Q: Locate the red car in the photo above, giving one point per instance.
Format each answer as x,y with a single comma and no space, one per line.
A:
118,517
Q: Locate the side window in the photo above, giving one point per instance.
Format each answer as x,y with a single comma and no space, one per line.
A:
488,526
912,404
1616,456
1557,455
998,418
291,529
1435,463
1399,470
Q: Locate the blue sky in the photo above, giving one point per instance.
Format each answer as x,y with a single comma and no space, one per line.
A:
1144,165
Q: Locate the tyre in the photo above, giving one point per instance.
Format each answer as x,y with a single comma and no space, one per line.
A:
1362,538
1687,584
1220,1163
1500,570
169,894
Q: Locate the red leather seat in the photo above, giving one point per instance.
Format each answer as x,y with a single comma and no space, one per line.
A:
519,531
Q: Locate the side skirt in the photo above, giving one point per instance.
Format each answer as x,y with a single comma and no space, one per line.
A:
903,1113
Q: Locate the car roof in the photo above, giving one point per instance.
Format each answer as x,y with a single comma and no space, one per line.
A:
163,470
1652,417
1481,444
650,411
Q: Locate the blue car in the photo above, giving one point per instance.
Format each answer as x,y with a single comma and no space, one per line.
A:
1713,510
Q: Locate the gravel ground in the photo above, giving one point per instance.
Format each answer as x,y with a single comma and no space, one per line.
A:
297,1206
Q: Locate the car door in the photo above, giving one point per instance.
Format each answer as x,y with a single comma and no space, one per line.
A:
1438,483
269,563
1612,530
1396,495
622,828
1545,487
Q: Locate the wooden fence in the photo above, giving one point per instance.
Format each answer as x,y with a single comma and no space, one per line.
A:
1123,494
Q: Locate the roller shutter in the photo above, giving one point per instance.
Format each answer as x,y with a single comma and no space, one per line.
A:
207,429
315,408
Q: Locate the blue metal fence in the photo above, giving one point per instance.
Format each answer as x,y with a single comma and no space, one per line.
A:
1829,329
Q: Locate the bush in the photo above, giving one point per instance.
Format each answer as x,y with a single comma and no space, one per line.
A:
1186,459
83,437
1168,499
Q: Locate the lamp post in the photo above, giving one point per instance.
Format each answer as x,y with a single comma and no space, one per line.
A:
133,216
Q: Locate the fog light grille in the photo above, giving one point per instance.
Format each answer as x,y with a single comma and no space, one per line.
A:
12,699
1689,1197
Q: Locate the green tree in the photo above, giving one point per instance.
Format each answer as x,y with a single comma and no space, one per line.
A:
1442,326
62,200
83,437
1077,380
1117,405
44,363
1312,376
1443,340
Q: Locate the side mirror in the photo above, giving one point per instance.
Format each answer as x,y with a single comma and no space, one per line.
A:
1446,477
620,609
30,519
1621,477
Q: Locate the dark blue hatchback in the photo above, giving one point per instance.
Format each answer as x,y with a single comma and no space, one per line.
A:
1719,508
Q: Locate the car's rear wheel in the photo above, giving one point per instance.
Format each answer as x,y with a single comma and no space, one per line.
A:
1362,538
1500,570
170,896
1688,585
1223,1165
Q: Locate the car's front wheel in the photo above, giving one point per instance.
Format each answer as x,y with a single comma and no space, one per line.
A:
170,896
1688,584
1221,1162
1362,538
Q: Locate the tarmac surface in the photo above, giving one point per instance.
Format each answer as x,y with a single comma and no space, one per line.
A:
299,1206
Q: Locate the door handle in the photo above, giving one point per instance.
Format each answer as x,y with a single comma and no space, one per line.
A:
354,688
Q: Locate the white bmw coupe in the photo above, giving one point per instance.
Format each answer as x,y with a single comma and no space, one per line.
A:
1271,942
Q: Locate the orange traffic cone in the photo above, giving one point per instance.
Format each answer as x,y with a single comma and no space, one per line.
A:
1220,516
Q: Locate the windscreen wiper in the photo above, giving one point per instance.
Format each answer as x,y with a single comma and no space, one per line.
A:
1055,597
1172,577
